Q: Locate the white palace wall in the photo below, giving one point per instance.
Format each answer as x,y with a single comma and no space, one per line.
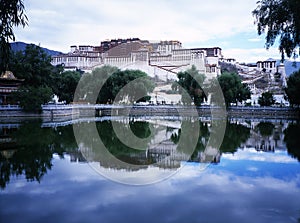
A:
164,66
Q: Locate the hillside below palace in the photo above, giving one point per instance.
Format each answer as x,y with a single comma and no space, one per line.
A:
162,60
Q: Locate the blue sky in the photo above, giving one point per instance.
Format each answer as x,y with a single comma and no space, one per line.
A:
230,25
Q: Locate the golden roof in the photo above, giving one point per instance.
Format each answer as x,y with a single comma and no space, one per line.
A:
8,75
8,153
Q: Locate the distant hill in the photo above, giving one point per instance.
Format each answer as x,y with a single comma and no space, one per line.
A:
20,46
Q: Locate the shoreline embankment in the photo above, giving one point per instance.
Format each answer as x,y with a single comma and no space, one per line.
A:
86,110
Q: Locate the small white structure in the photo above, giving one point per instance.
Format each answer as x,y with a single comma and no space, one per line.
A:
279,100
267,66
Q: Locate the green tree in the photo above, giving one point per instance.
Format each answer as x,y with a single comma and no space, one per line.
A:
138,85
266,99
110,82
190,86
91,83
64,85
33,65
31,98
144,99
279,18
41,79
233,89
293,88
12,13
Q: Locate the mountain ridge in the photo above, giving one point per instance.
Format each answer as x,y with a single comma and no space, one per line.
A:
21,46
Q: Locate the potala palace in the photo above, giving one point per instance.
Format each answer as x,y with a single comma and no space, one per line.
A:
162,60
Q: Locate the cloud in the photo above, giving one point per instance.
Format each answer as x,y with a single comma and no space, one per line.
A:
59,24
253,155
197,197
251,55
255,40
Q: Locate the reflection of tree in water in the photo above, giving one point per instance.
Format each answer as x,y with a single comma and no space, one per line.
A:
201,143
33,152
266,131
32,157
235,135
64,141
265,128
119,149
140,129
292,140
116,150
156,148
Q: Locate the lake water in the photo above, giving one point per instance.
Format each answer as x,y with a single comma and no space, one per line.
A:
50,174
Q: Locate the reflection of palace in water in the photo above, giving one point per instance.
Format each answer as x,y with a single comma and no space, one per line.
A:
165,156
272,140
7,143
76,156
161,152
264,137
